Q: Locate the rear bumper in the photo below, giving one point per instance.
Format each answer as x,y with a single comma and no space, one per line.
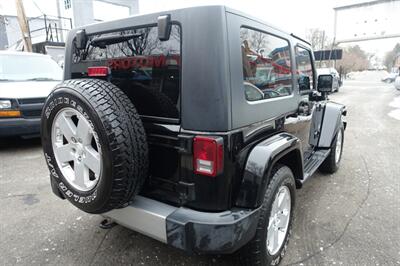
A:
186,229
19,126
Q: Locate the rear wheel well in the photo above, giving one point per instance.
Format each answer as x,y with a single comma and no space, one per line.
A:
294,161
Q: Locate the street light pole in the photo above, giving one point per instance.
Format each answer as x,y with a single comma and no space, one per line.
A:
23,24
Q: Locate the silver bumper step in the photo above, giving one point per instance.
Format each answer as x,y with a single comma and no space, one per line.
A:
187,229
145,216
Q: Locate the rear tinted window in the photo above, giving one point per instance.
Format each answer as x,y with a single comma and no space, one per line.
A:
145,68
266,65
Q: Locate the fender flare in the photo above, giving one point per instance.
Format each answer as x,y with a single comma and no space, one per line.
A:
259,165
333,118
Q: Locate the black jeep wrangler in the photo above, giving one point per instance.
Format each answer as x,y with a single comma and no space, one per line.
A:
193,126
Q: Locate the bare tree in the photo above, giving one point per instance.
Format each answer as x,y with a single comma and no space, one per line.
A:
145,43
391,56
318,39
258,40
354,59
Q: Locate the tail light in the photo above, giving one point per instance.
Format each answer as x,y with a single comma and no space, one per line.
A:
99,71
208,155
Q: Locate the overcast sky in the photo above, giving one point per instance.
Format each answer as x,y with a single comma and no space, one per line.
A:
291,15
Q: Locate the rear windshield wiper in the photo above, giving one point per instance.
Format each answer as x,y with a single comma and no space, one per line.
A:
102,42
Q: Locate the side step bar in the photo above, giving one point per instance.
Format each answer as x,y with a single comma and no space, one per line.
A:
313,162
145,216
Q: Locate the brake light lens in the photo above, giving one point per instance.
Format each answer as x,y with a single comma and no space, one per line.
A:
208,155
99,71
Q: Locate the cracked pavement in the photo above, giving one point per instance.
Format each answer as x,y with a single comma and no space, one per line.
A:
350,217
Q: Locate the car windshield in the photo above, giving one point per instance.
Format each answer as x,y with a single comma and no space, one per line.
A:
28,67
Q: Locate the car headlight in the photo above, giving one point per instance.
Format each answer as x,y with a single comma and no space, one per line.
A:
5,104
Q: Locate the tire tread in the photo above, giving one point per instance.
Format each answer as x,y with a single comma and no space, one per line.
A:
252,252
126,137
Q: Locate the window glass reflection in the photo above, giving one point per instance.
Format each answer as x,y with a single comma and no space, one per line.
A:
145,68
266,65
304,70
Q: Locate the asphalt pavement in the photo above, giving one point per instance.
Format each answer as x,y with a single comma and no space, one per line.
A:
349,218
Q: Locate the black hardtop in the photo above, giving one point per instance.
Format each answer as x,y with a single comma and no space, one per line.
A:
206,83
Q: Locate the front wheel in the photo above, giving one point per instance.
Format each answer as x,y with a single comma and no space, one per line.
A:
275,222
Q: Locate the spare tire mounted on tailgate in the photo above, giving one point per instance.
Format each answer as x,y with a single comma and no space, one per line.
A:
95,144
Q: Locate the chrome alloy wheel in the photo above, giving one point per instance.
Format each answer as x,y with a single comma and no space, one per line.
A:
338,148
279,220
76,149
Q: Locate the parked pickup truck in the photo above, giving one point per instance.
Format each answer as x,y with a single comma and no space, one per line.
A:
163,125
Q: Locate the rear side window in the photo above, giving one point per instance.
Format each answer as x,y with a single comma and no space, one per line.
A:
304,68
266,65
145,68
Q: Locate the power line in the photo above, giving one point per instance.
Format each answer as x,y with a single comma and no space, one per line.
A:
34,2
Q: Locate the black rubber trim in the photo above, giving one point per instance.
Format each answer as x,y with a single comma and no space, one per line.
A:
211,233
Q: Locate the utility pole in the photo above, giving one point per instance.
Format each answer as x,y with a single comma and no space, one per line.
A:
334,38
23,24
322,47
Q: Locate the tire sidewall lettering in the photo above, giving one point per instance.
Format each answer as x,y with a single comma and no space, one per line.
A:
77,198
52,108
53,171
124,155
71,103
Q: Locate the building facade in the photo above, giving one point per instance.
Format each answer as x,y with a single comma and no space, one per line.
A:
70,13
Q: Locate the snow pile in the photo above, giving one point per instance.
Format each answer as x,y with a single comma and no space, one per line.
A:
367,75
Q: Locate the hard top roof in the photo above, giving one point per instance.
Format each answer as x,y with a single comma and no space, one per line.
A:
222,7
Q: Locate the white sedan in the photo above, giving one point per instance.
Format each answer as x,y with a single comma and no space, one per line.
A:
26,79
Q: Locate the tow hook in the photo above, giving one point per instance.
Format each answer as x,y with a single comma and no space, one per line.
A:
107,224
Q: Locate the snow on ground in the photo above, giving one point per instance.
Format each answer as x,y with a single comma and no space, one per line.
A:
367,75
374,77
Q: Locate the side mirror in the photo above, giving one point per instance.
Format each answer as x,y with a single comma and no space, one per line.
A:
164,27
304,83
80,39
325,83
